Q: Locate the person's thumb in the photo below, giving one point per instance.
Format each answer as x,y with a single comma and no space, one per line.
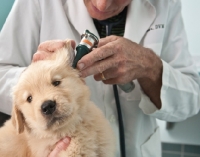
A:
61,145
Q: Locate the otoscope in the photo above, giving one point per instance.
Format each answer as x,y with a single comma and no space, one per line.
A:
88,42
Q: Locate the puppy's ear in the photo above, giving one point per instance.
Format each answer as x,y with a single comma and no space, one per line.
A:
66,54
69,48
17,120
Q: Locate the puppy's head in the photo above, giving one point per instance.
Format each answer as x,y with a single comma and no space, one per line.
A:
49,95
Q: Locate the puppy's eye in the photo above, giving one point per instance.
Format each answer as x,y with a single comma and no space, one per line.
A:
56,83
29,99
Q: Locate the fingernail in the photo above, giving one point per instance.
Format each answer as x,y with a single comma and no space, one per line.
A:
66,140
80,66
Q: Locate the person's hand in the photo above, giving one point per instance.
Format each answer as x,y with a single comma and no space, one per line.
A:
46,48
121,61
60,145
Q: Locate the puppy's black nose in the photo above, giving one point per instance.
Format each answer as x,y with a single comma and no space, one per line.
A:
48,107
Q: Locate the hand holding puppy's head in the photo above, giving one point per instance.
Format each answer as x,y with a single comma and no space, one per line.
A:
47,48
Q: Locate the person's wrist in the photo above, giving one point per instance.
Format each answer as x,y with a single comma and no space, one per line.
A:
153,65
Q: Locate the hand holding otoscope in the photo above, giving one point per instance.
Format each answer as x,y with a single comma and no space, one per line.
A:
88,42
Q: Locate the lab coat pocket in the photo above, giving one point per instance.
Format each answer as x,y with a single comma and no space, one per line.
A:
156,48
153,40
152,147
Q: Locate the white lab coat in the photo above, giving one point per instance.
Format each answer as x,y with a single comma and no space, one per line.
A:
34,21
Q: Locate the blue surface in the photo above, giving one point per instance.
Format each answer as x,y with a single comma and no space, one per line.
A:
5,7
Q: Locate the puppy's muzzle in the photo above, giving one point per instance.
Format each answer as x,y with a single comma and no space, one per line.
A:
48,107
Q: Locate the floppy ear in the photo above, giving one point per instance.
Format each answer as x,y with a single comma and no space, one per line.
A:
65,54
17,120
69,49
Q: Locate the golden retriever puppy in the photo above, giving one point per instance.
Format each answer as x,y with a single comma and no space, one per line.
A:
51,101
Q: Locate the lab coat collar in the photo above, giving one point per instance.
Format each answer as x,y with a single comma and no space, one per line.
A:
140,15
79,17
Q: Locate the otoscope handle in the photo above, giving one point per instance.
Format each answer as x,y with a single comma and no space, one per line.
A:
88,42
128,87
81,50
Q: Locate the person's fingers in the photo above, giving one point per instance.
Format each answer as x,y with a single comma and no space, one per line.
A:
96,55
106,48
112,81
61,145
108,39
108,80
40,55
108,74
100,66
113,76
53,45
46,48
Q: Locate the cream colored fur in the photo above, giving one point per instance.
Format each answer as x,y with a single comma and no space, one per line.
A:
31,134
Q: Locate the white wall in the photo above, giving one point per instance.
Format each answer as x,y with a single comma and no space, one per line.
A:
191,17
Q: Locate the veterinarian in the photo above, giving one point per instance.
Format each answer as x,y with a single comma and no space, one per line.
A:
147,45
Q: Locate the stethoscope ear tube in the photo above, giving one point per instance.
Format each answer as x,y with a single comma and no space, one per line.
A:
127,88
